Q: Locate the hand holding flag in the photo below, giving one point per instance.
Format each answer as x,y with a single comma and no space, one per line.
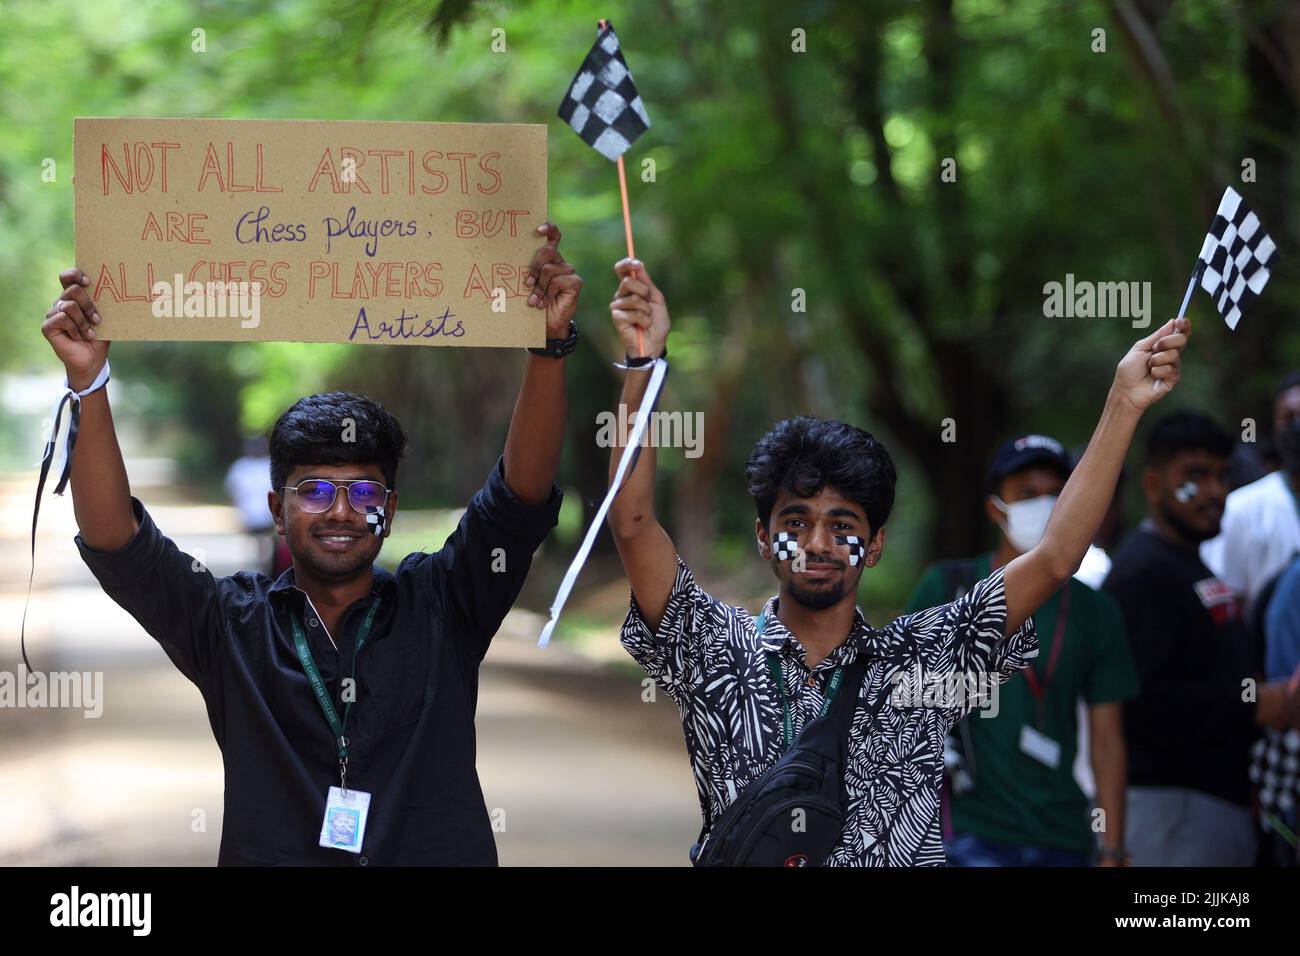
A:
1153,365
639,306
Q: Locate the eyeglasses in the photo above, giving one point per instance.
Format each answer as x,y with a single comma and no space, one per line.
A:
316,495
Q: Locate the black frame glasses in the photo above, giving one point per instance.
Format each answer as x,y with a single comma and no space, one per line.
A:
334,494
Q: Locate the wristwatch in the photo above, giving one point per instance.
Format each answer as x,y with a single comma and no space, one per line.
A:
558,348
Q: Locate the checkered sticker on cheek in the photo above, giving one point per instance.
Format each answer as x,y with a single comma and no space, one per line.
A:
785,545
857,548
375,518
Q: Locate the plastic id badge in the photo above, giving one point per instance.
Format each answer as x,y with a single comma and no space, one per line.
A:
1041,747
344,826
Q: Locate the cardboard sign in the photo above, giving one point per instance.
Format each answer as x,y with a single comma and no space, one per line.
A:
290,230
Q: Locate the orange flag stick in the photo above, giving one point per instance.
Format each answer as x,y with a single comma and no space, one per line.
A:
627,221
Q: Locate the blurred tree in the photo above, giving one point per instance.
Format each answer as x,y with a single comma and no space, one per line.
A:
779,171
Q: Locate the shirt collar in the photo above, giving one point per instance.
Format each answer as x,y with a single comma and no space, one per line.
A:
776,637
384,584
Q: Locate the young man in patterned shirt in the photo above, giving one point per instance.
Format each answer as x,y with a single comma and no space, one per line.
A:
823,491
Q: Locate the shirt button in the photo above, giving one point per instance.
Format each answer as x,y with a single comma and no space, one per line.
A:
812,681
313,622
363,861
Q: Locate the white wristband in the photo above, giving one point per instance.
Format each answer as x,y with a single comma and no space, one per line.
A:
97,384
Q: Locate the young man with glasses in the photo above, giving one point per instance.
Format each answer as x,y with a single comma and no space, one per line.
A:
342,696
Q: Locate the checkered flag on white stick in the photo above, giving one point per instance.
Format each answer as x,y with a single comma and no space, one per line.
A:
602,104
1236,258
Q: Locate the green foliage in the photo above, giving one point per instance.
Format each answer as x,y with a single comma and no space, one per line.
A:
775,171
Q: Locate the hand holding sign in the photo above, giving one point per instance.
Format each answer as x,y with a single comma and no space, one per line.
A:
70,328
554,283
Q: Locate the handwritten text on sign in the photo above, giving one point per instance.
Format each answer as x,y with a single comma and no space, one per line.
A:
288,230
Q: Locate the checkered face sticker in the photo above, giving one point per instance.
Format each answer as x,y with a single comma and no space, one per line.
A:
857,547
376,518
785,545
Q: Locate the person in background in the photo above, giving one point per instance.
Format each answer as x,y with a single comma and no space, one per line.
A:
1190,730
1279,753
247,481
1024,806
1092,572
1096,561
1261,521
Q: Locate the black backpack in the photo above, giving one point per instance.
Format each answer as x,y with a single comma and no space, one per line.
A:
758,828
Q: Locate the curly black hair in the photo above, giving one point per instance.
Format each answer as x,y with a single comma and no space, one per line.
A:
317,429
804,455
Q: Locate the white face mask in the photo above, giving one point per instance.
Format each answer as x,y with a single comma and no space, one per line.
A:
1026,520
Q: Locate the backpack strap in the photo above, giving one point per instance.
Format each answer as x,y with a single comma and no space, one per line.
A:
846,701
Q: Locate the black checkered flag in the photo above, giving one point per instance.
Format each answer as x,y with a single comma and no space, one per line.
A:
602,104
1236,258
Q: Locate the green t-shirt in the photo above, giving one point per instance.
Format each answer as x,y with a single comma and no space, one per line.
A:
1017,799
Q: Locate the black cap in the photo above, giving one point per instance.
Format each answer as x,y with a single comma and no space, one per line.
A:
1024,452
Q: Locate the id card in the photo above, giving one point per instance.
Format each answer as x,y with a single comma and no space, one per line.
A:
345,819
1041,747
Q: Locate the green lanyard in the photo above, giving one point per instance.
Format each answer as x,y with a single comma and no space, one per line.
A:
777,667
318,685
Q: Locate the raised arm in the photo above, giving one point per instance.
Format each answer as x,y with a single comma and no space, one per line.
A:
101,494
648,554
532,455
170,593
1146,374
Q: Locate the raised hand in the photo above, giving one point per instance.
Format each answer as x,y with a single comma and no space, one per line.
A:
70,328
555,284
1153,365
638,304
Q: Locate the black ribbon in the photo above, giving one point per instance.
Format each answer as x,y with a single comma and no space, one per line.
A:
47,460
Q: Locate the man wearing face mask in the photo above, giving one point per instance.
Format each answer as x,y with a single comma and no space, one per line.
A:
1015,800
1261,520
1190,730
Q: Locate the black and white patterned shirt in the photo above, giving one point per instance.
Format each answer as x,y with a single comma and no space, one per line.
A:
710,659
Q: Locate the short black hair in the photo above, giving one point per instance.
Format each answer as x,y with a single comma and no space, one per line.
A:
804,455
336,428
1184,431
1287,383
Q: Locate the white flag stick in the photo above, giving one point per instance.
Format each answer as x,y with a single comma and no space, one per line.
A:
634,441
1191,287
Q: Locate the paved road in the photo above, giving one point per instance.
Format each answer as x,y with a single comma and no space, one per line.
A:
582,770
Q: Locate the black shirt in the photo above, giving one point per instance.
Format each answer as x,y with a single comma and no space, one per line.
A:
1189,726
411,729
